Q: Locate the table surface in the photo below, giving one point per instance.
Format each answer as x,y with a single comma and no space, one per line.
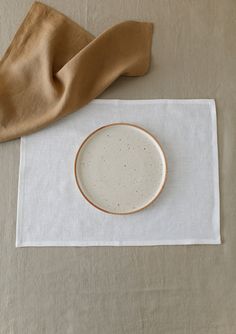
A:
162,289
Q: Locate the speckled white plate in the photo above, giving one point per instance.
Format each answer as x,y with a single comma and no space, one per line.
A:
120,168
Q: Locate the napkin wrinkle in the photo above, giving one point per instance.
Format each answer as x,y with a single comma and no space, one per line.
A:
53,67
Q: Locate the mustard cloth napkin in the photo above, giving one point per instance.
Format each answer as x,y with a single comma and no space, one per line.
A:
53,67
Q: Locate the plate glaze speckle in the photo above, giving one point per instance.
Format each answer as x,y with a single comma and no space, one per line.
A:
120,168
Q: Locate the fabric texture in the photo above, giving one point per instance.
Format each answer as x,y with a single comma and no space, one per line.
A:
53,67
52,211
134,290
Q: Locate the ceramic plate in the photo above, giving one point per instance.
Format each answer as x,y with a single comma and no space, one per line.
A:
120,168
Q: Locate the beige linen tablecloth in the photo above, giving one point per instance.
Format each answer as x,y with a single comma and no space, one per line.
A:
159,290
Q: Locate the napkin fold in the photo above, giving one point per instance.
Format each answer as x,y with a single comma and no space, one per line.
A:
54,67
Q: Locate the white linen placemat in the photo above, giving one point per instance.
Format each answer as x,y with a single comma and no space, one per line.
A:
52,212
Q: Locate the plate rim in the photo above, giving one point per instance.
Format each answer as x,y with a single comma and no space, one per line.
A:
110,125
